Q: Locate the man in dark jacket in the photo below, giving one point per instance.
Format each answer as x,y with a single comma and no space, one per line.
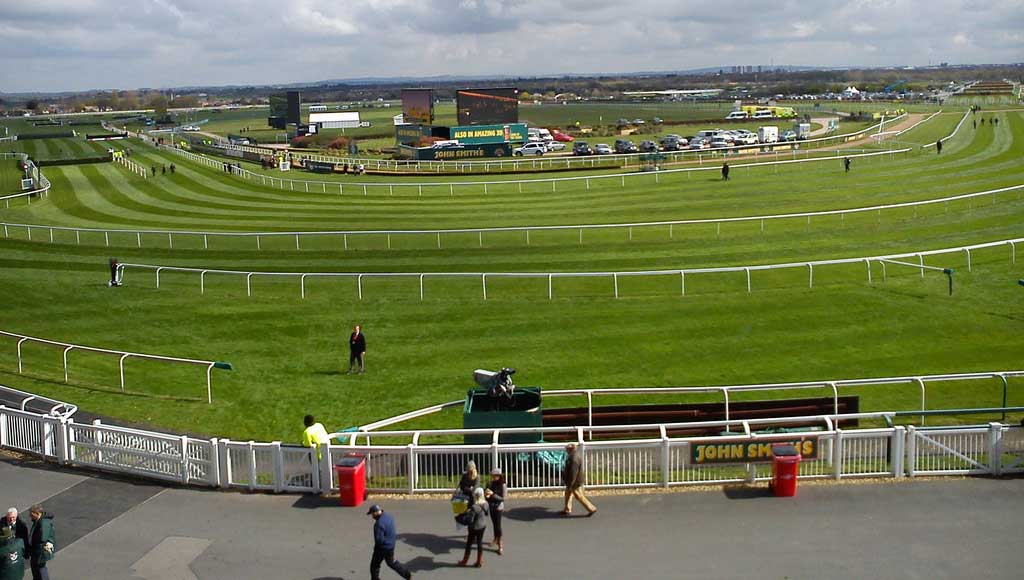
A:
574,478
356,349
15,523
384,537
12,555
725,172
40,542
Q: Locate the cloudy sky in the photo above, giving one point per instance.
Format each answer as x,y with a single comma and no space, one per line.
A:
52,45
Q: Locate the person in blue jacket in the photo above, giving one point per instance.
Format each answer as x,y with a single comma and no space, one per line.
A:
384,537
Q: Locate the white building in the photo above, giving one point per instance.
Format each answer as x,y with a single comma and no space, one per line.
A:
348,120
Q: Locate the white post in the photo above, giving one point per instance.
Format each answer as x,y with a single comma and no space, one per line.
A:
810,275
898,450
968,251
920,260
66,362
302,285
995,449
911,460
549,286
837,454
666,471
615,277
359,282
120,366
202,282
209,390
158,278
748,278
278,467
184,460
483,284
248,284
682,283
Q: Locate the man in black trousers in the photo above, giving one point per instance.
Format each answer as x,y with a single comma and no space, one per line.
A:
725,172
384,537
356,349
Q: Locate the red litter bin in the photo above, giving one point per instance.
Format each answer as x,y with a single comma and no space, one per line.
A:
785,468
351,472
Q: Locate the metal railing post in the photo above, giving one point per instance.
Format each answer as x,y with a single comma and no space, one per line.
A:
66,363
666,455
326,471
184,460
837,454
898,451
278,466
120,366
302,286
995,448
911,458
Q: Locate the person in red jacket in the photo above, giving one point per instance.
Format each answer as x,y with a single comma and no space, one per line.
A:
357,350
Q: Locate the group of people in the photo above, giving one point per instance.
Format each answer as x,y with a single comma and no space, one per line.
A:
20,541
484,503
163,169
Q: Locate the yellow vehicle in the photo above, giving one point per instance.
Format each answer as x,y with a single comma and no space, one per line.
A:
764,112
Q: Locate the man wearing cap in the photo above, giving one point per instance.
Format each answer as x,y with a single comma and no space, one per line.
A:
574,478
384,537
12,555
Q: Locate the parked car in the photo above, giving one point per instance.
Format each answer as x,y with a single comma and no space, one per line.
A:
625,146
603,149
638,121
622,122
719,142
699,143
562,137
736,115
649,147
657,121
531,148
789,135
554,145
671,143
582,148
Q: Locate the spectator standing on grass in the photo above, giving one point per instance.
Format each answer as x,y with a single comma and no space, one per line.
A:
574,479
384,537
477,527
496,493
12,555
938,147
40,542
356,350
314,434
725,172
153,169
15,523
846,164
172,169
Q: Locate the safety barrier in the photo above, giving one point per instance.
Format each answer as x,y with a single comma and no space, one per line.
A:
132,166
653,458
629,226
867,261
484,187
42,187
68,347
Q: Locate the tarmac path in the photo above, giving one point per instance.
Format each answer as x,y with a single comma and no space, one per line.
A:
109,528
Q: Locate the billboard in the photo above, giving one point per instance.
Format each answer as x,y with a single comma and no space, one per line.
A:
293,115
418,106
487,106
479,134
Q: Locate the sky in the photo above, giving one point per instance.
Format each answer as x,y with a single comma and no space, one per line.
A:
58,45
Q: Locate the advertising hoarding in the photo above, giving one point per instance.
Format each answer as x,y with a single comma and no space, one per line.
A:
487,106
479,134
418,106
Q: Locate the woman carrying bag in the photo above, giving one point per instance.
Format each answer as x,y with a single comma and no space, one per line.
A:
495,494
476,521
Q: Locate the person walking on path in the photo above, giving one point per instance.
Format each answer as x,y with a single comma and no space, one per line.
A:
574,479
938,147
314,434
40,542
477,527
15,523
725,171
384,538
12,555
846,164
356,350
496,493
470,480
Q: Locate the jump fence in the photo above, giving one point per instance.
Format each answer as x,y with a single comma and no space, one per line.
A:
867,261
122,356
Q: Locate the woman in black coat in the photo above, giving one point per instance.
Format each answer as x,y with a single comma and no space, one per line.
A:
496,492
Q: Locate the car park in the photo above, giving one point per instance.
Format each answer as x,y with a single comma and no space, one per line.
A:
603,149
625,146
582,148
531,148
648,147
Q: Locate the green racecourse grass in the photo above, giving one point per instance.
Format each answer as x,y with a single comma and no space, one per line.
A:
288,352
61,148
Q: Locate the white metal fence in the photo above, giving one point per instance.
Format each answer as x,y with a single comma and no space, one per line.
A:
21,339
885,261
410,464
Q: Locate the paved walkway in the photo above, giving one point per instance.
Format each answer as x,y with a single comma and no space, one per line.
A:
943,528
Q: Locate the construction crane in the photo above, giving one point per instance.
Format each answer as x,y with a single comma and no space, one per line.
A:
889,88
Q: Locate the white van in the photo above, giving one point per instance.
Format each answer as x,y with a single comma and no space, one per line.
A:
736,115
763,114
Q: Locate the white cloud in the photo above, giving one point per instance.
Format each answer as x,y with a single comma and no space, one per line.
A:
79,44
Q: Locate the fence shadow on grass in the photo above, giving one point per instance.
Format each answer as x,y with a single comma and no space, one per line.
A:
99,388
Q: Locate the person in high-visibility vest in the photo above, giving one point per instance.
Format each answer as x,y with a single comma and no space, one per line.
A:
314,434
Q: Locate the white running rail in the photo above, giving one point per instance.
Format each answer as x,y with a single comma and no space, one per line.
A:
122,356
867,261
